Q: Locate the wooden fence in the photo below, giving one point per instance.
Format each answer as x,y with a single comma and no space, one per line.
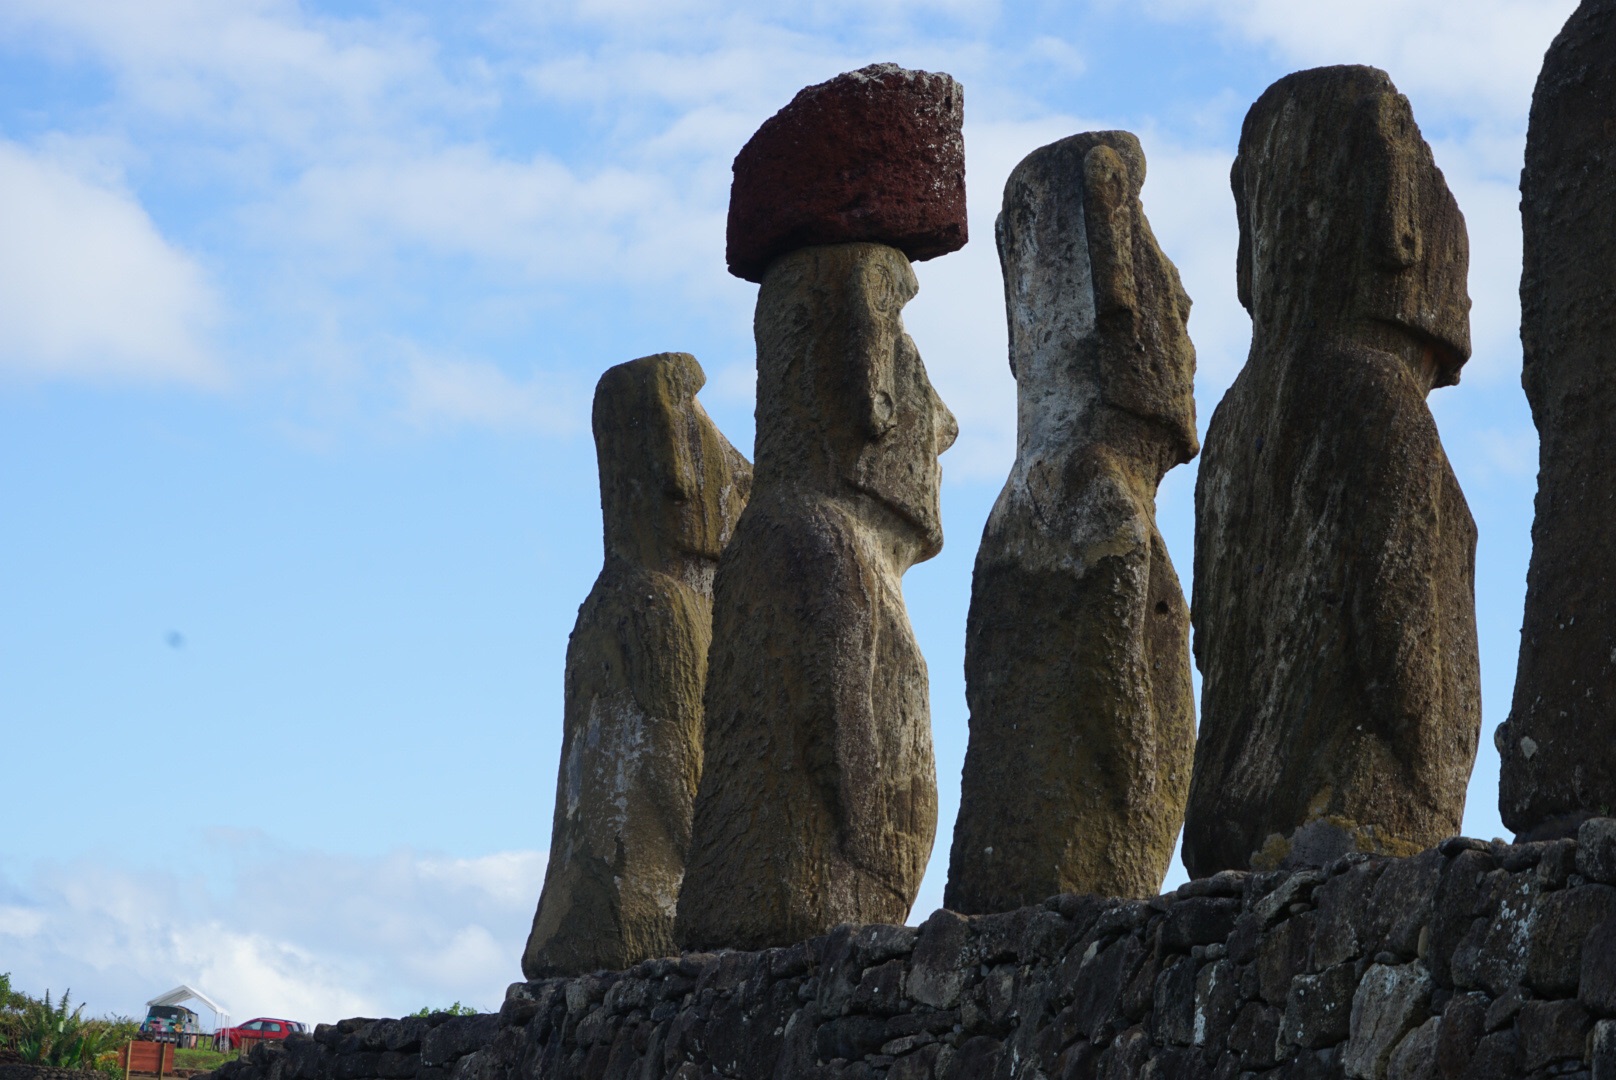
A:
144,1057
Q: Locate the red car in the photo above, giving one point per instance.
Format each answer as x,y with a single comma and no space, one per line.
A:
256,1031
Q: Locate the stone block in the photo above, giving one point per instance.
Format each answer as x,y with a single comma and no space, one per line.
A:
1217,997
1415,1057
1597,982
1100,983
1319,1008
1173,1008
1596,849
850,1037
1561,925
1389,1003
1462,1028
978,1056
1344,909
1254,1036
1281,956
937,970
1494,956
880,990
358,1065
1200,920
871,155
1497,1057
1602,1047
1551,1032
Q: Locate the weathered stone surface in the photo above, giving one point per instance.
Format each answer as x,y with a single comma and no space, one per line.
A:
1562,923
671,489
1415,1057
1068,990
1319,1008
818,800
1596,986
1602,1048
1596,849
1552,1031
1334,553
872,155
1557,747
1077,644
1389,1003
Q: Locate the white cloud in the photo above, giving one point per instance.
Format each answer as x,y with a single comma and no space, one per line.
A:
454,392
307,935
1477,55
551,222
88,286
262,69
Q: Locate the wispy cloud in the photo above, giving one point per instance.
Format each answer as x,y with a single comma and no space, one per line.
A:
440,392
1469,57
88,286
308,935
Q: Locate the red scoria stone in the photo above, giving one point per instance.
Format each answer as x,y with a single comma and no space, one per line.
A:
874,155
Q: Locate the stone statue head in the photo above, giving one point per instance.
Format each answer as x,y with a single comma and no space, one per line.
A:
1346,223
1106,319
671,485
844,403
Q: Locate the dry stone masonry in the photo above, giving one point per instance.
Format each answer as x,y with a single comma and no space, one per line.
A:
1559,744
1470,961
785,771
671,490
1334,604
1077,665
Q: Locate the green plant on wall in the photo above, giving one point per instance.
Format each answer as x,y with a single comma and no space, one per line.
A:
456,1009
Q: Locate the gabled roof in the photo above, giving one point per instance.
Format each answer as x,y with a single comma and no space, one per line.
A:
186,993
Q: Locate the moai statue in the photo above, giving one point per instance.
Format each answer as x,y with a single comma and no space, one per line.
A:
1077,663
671,491
818,801
1558,747
1334,600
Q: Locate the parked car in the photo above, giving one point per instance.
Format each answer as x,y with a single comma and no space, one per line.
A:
263,1028
170,1023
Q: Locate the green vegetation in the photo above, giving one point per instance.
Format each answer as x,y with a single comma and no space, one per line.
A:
40,1032
202,1057
456,1009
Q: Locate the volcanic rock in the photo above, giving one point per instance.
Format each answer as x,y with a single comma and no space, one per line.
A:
1334,605
818,800
671,491
1558,747
872,155
1077,665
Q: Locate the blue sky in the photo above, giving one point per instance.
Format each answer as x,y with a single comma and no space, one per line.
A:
301,307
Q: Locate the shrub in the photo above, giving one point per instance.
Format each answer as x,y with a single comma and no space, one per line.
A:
456,1009
42,1033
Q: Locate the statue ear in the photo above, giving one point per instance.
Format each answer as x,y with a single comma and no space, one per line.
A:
1394,144
876,354
1108,211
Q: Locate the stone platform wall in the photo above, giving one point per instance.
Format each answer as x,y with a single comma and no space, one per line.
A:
1470,960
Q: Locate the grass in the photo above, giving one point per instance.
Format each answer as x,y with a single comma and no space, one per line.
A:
201,1058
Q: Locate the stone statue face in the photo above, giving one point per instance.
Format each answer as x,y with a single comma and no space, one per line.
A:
907,426
1096,310
843,397
1345,220
671,484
